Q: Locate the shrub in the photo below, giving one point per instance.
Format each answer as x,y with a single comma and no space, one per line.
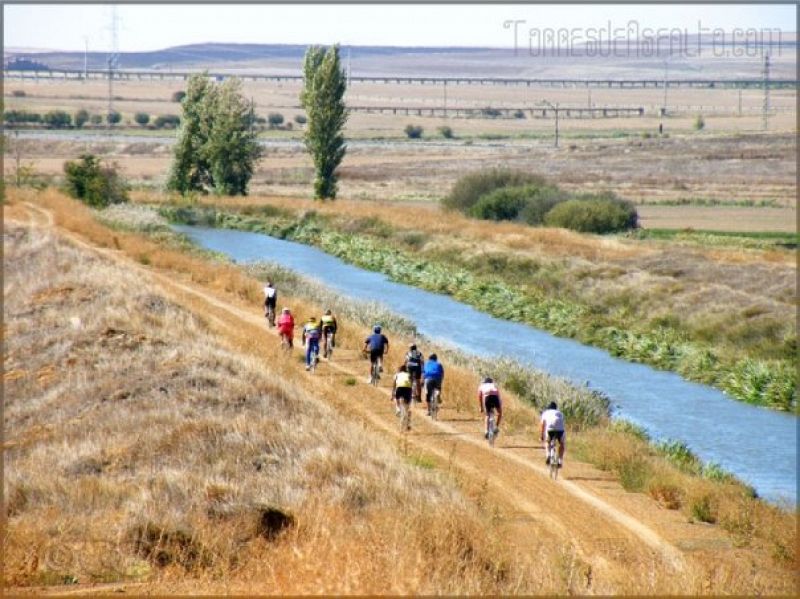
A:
300,119
699,123
81,118
446,131
21,116
178,96
702,510
57,119
501,204
141,118
167,121
491,113
275,119
541,200
94,183
593,214
18,93
470,188
113,117
95,119
413,131
519,114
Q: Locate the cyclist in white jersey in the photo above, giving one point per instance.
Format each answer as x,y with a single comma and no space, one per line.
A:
553,425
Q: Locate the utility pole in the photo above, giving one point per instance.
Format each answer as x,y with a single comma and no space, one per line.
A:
445,98
765,107
556,124
113,62
85,58
17,155
555,109
740,101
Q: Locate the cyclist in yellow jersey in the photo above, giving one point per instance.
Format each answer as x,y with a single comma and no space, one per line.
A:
328,323
311,333
401,390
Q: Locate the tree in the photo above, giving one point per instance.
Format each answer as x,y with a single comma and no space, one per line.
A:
414,131
95,119
275,119
232,148
57,119
178,96
322,98
142,118
217,147
113,117
81,118
190,171
94,183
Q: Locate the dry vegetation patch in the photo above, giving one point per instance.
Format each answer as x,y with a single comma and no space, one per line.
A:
148,452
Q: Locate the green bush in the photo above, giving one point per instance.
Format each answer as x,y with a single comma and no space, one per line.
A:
167,121
414,131
526,202
275,119
300,119
94,183
446,131
21,116
113,117
141,118
470,188
501,204
95,119
58,119
699,123
593,214
178,96
81,118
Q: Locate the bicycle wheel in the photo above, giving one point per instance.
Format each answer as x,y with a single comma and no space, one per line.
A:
553,455
328,346
435,405
374,375
491,432
405,417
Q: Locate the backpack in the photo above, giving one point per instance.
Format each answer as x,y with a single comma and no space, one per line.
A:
414,359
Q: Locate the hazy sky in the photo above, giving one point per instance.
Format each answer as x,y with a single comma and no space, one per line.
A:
151,27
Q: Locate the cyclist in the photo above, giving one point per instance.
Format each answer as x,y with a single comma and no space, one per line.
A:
377,345
414,360
286,327
311,333
553,423
270,301
401,391
328,322
432,376
489,399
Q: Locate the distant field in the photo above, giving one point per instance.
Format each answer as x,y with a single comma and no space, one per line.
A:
718,218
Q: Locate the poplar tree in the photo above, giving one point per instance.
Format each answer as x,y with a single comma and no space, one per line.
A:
322,98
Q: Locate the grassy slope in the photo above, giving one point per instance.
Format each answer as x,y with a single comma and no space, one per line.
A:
140,449
640,467
673,307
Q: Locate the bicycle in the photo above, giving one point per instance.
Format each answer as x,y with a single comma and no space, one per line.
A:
405,416
491,436
270,315
328,351
416,389
314,360
375,372
552,458
435,404
285,345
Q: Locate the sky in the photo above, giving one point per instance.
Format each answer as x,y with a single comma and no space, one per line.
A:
153,27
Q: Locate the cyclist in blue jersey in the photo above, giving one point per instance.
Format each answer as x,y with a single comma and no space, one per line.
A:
377,345
432,376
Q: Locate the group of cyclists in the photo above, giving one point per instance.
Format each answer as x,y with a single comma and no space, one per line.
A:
413,377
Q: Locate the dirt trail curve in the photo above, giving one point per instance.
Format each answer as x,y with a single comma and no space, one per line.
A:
616,545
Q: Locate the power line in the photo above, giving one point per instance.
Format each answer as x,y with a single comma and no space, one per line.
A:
765,107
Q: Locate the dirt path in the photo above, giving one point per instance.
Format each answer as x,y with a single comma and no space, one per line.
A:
614,541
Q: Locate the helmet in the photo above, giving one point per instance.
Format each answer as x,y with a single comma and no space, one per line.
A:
488,379
328,311
376,328
552,406
312,319
432,357
412,346
285,310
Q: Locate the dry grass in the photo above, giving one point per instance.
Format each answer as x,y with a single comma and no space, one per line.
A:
139,449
